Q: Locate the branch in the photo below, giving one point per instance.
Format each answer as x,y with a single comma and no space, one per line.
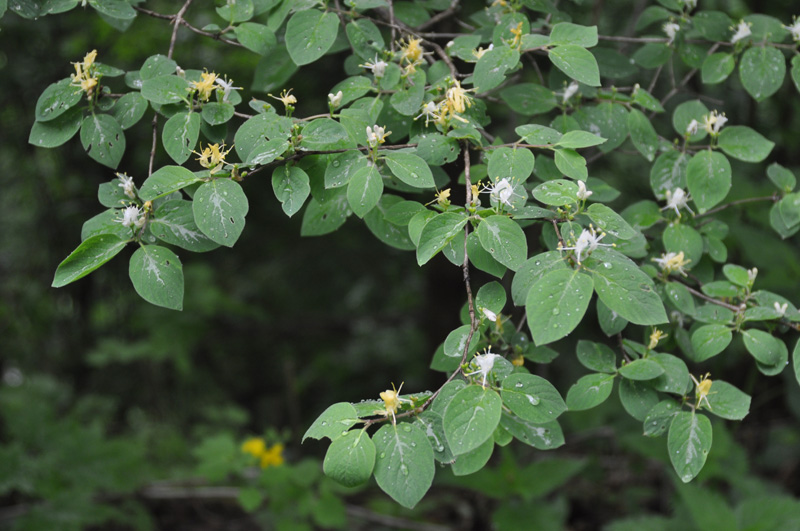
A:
774,198
176,23
215,36
712,300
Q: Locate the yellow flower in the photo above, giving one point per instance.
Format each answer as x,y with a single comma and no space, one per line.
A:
456,101
518,361
391,400
655,337
254,446
84,76
671,262
272,456
212,156
411,51
376,135
480,51
443,197
517,32
286,98
205,86
703,388
88,59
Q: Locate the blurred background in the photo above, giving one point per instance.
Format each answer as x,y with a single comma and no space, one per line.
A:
116,414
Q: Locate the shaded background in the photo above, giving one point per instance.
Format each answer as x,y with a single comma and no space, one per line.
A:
104,394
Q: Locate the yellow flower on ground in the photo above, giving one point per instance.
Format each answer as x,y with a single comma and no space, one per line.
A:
212,157
272,456
205,86
254,446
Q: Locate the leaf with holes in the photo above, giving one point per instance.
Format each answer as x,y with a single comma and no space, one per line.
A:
180,135
688,442
103,139
157,276
56,99
471,418
405,466
173,223
503,238
556,304
220,207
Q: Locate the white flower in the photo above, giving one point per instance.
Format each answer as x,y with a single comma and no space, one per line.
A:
132,217
691,129
480,51
227,87
742,30
485,363
752,274
781,308
713,122
502,191
588,241
376,135
378,66
570,91
794,29
690,4
671,29
671,262
126,183
429,111
583,193
489,314
335,99
677,199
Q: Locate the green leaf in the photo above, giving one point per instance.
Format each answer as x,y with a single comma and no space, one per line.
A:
180,135
491,68
58,131
675,378
555,305
217,113
129,109
342,166
410,169
610,322
688,442
404,469
166,180
350,458
568,33
436,233
482,259
333,422
641,369
114,8
529,99
56,99
471,417
596,356
265,151
255,37
708,176
545,436
220,207
683,116
471,462
713,25
267,125
579,139
609,221
103,139
643,134
325,134
783,178
364,190
796,71
513,164
431,423
537,134
679,237
590,391
558,192
531,271
745,144
107,222
577,62
608,120
503,238
571,164
407,101
157,276
532,398
88,256
761,71
491,296
717,67
309,34
365,37
659,418
237,11
625,288
765,348
157,65
637,397
456,342
173,223
710,340
165,89
291,187
727,401
393,235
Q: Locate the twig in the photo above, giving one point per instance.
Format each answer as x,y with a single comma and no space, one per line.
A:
440,15
155,143
712,300
774,198
215,36
177,22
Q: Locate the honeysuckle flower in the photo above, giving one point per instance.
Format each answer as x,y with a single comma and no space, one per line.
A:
376,135
227,87
411,52
212,157
476,190
489,314
691,129
588,241
655,337
781,308
671,29
502,191
480,51
132,216
429,111
570,91
457,100
378,67
442,197
392,401
751,275
713,122
335,99
672,262
286,98
205,86
794,29
484,363
516,42
583,193
126,183
741,30
702,388
85,77
676,200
